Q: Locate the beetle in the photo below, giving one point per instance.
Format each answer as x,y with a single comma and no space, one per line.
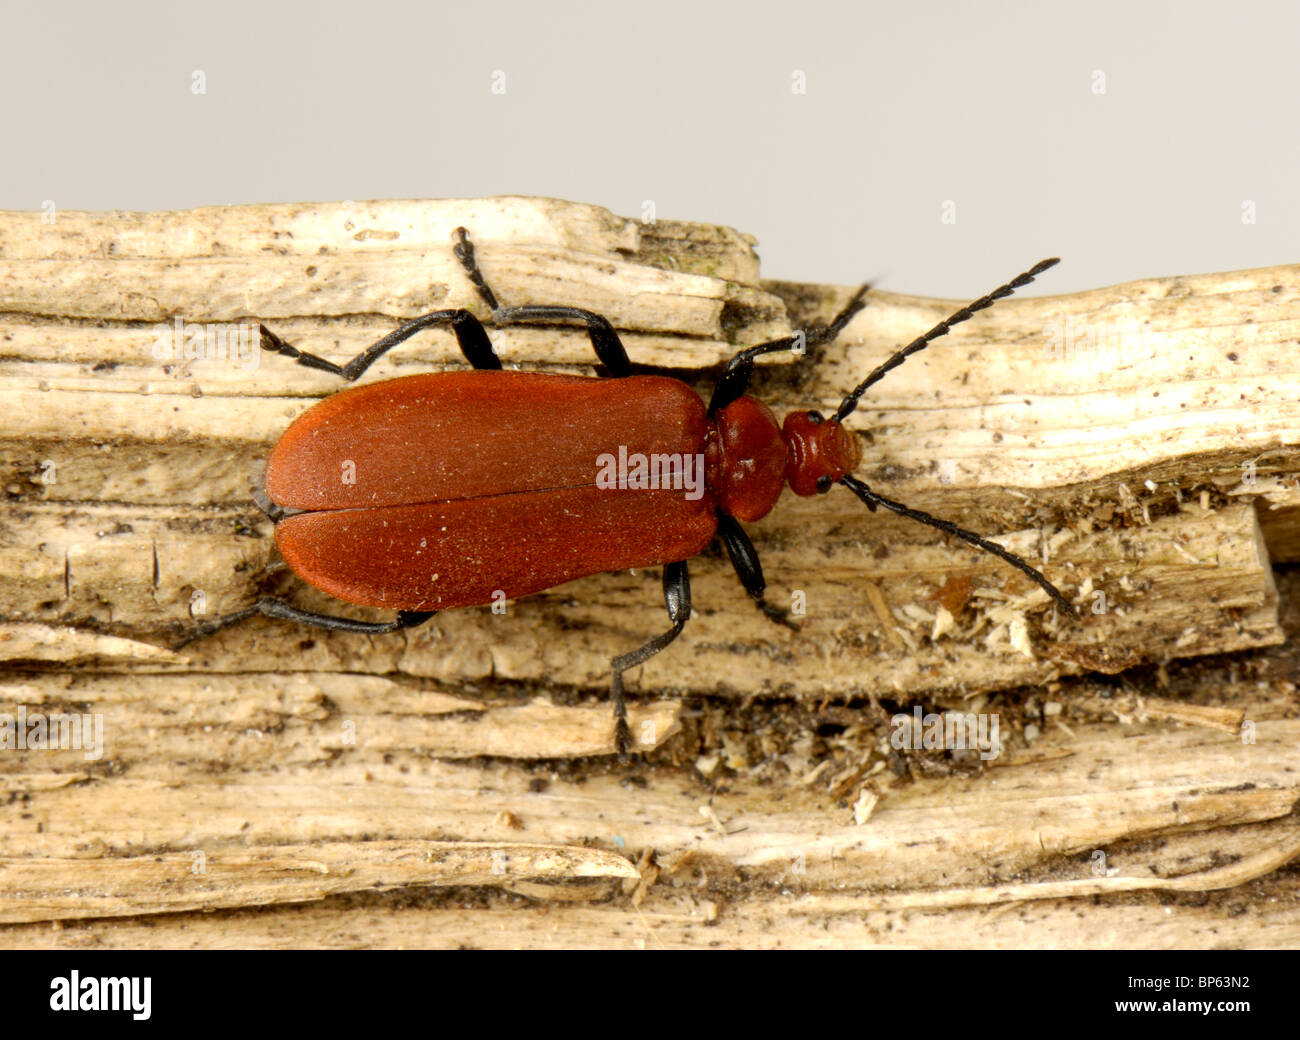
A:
467,486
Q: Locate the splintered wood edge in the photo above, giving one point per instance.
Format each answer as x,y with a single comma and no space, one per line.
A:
1283,847
369,261
174,883
375,228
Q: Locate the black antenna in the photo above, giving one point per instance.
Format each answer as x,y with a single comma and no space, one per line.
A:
872,500
919,344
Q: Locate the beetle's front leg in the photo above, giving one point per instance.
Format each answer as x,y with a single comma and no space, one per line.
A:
677,598
744,558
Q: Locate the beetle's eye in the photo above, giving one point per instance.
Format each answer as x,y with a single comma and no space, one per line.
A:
816,417
824,484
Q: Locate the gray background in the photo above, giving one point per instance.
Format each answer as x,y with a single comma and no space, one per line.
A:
990,105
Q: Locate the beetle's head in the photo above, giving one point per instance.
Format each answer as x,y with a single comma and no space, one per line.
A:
820,452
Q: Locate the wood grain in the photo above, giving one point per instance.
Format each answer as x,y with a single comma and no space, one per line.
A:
453,784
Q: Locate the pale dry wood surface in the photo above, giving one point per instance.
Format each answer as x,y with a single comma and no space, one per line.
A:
451,766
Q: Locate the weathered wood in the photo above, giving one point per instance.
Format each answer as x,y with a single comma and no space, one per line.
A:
1193,583
53,889
303,766
168,725
933,844
140,498
682,918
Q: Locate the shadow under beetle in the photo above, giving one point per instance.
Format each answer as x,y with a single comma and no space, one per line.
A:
466,487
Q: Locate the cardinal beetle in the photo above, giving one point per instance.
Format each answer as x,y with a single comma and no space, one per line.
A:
464,487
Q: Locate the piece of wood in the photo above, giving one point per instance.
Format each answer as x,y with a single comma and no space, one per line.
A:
129,500
685,919
1051,823
52,889
1138,443
1192,583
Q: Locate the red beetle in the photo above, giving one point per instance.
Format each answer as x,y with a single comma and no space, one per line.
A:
455,489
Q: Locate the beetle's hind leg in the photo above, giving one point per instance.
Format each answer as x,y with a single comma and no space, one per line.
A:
263,502
677,598
744,558
604,340
471,337
278,608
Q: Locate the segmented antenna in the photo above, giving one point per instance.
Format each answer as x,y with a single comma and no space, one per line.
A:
942,329
871,499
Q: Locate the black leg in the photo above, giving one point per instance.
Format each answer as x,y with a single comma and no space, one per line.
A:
604,340
464,250
470,335
744,557
734,380
277,608
677,598
871,500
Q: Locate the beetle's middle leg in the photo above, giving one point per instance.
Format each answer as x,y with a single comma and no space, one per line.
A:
677,598
744,557
604,340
